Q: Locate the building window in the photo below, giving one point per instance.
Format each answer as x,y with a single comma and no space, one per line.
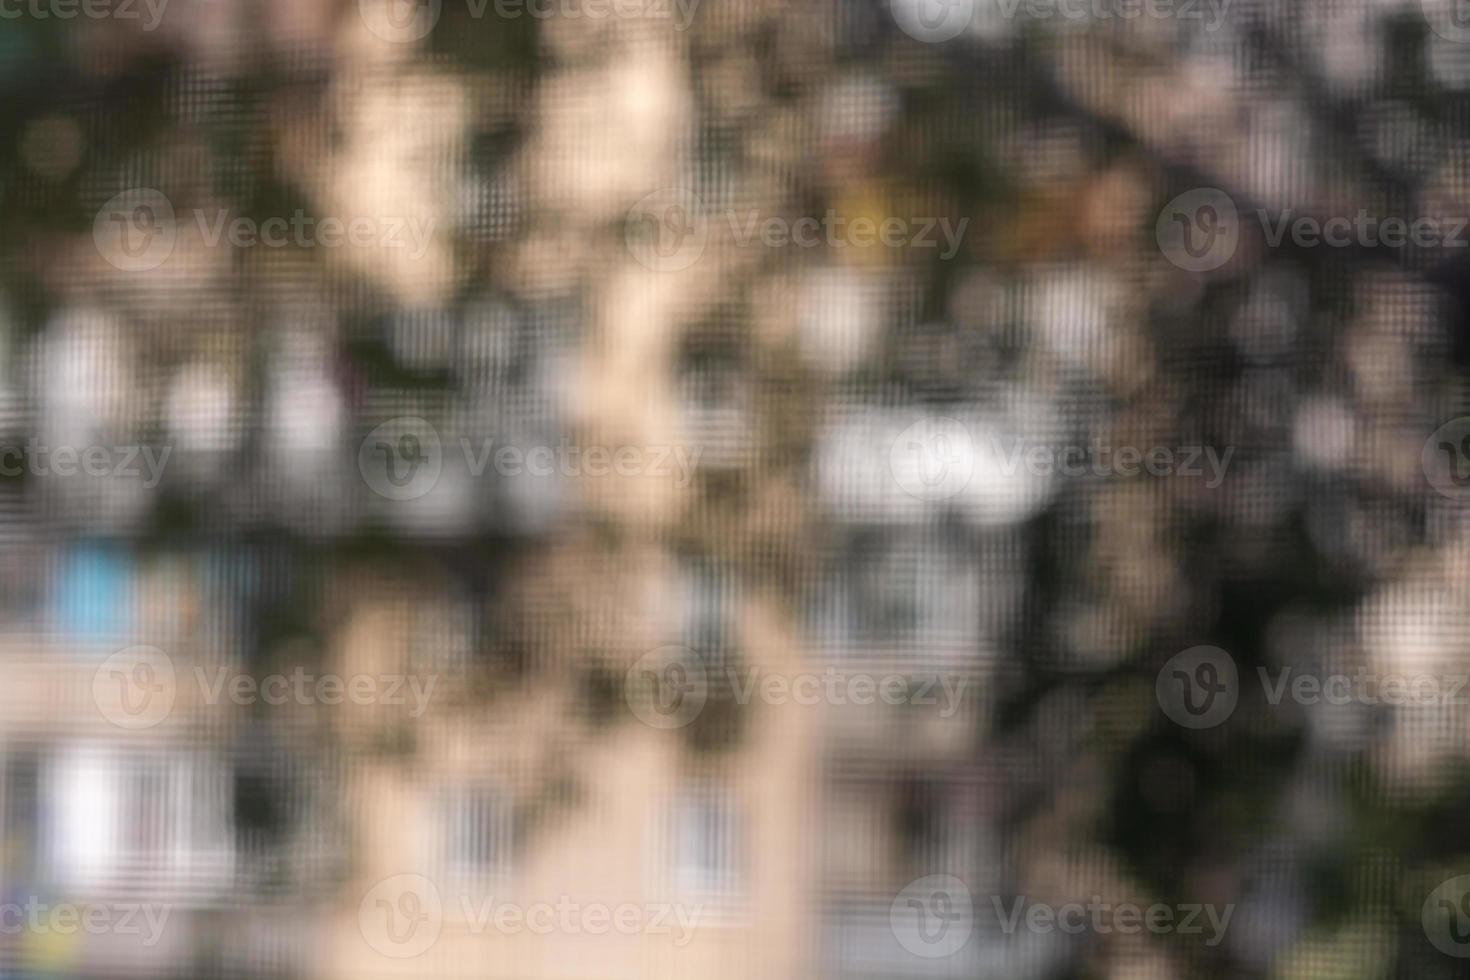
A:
155,820
709,597
707,844
477,827
20,809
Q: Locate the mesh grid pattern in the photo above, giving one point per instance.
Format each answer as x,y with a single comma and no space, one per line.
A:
720,488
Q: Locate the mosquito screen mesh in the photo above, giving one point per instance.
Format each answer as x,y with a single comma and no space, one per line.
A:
627,489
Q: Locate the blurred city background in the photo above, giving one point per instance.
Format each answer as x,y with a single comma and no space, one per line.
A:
631,489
